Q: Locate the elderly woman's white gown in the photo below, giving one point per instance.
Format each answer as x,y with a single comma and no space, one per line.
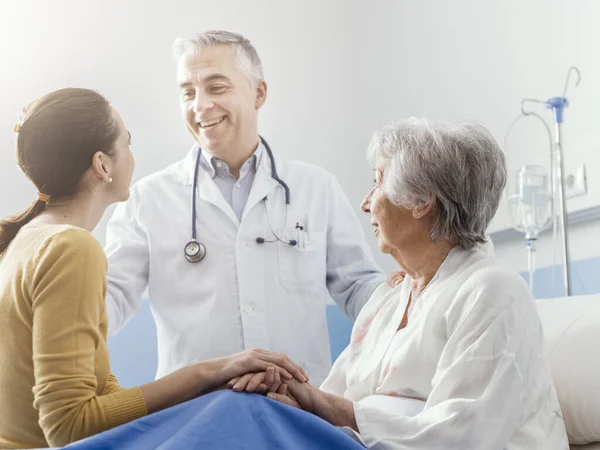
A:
467,372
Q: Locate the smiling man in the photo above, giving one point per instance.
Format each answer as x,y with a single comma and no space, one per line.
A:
237,247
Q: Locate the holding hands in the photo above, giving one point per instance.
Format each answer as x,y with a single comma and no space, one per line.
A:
290,391
259,382
296,392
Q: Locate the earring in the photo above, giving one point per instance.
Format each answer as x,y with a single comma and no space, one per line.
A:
109,180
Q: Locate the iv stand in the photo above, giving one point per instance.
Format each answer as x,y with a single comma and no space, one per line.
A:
558,105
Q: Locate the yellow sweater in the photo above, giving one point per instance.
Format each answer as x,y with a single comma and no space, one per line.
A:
55,381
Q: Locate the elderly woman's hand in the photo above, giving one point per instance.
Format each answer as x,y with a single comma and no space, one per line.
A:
336,410
298,395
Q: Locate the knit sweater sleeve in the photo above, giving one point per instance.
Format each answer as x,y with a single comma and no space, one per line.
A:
69,287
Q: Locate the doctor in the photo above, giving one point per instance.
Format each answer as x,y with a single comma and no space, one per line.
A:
237,247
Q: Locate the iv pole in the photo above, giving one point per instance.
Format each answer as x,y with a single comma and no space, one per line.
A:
558,105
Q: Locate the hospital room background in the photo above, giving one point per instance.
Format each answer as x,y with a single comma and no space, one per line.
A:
336,70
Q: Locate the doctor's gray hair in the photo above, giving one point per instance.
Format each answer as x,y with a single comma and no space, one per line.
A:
459,166
247,55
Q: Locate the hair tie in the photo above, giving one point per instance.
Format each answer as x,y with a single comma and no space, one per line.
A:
44,197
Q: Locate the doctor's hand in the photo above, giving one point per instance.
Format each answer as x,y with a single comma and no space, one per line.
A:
395,278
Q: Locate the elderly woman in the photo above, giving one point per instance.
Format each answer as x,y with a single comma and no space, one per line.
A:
452,357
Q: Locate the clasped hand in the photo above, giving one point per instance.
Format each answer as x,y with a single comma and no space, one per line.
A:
289,391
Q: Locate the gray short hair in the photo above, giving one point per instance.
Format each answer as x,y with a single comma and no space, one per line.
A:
460,165
248,58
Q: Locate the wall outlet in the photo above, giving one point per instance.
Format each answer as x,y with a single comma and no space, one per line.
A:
576,183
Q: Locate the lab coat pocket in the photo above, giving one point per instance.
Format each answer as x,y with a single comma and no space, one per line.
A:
302,268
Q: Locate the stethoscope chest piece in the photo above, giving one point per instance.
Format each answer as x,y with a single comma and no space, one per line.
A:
194,251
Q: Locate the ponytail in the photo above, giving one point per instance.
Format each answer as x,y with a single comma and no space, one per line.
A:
57,139
10,226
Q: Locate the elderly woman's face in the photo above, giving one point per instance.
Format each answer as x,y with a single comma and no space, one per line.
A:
392,224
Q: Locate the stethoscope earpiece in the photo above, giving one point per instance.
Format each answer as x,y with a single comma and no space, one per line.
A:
291,242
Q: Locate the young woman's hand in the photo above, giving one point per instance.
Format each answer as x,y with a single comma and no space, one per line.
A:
255,361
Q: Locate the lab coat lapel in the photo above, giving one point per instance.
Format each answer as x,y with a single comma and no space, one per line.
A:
262,186
208,191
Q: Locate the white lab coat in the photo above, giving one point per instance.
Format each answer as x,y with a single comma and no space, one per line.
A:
466,373
242,295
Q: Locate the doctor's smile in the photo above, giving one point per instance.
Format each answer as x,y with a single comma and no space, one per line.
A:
210,123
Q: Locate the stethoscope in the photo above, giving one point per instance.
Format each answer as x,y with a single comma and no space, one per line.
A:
195,251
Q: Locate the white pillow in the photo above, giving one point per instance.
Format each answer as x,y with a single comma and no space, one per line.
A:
572,339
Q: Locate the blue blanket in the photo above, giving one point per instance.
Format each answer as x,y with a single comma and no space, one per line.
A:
223,420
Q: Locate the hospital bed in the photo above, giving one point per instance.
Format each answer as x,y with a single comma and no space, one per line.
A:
572,338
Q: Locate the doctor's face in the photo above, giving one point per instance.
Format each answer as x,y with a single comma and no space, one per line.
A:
219,104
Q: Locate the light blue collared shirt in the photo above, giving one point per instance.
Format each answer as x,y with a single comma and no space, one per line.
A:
235,192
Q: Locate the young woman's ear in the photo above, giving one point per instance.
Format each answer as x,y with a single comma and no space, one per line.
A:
102,166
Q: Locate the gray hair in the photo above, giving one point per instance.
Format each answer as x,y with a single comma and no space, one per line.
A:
460,165
248,58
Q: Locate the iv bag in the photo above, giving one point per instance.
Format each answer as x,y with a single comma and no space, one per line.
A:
530,206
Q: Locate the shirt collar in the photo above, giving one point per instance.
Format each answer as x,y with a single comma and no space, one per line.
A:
210,163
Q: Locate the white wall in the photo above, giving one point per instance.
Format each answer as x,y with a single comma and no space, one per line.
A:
122,49
477,60
336,70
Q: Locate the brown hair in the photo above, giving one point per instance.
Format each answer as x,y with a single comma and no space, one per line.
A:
56,143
